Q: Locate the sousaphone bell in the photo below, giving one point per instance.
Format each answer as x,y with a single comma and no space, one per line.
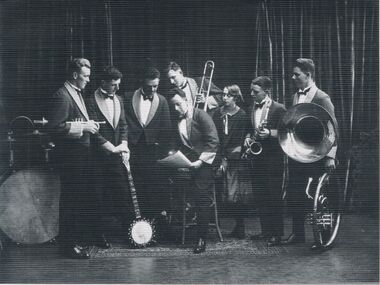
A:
307,132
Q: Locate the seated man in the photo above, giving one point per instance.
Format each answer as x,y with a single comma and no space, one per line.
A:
197,138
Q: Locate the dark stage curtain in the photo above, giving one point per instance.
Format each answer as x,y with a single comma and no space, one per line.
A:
244,38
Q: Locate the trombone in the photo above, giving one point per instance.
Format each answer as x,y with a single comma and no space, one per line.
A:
204,91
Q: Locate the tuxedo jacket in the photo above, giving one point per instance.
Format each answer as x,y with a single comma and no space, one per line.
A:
115,128
66,106
193,87
203,140
157,128
322,99
272,155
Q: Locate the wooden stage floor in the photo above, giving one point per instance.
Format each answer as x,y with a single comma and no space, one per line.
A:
354,259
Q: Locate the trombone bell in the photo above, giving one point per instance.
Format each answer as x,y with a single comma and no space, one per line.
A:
307,132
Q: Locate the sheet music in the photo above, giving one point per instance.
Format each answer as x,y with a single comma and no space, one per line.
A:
176,160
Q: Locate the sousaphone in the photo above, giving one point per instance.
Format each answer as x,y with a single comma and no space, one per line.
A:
306,133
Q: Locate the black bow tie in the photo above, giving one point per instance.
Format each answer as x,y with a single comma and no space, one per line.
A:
304,92
106,95
184,85
259,105
146,97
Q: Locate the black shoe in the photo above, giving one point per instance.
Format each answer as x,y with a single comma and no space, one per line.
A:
318,247
293,239
274,241
77,252
200,246
258,237
101,242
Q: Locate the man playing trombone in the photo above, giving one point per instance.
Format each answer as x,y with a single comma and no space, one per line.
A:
190,87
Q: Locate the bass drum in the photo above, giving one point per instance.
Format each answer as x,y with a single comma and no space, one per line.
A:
29,205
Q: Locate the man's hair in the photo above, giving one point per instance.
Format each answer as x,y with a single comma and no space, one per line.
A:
306,65
176,91
264,82
234,91
76,64
110,73
150,73
173,66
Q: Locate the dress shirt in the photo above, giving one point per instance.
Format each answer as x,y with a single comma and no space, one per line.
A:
308,91
259,111
109,103
189,97
144,106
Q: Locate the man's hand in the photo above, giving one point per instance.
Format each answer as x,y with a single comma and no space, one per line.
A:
247,142
90,127
121,148
196,164
329,164
263,133
199,98
125,156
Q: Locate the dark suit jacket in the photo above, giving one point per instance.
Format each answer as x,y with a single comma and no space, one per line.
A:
66,107
203,142
115,129
272,154
157,129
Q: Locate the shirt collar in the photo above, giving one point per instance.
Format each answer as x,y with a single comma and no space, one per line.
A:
312,87
74,87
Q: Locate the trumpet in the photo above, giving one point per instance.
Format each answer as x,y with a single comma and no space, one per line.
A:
43,122
208,72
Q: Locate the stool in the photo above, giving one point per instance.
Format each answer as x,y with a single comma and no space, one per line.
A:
185,224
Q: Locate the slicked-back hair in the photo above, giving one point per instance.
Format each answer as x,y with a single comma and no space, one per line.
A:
76,64
176,91
264,82
173,66
306,65
150,73
110,73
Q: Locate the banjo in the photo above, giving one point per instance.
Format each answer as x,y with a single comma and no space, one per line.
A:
141,232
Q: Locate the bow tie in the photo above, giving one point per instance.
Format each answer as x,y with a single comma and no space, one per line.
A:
259,105
146,97
184,85
304,92
107,96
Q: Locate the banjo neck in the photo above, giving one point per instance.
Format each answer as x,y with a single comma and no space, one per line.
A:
133,189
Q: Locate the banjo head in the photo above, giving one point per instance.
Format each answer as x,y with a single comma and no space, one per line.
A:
141,233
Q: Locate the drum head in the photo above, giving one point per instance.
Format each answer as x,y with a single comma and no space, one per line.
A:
29,204
141,232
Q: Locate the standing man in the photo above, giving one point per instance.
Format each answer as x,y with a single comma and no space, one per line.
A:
267,166
308,92
110,144
189,86
70,127
198,140
149,128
